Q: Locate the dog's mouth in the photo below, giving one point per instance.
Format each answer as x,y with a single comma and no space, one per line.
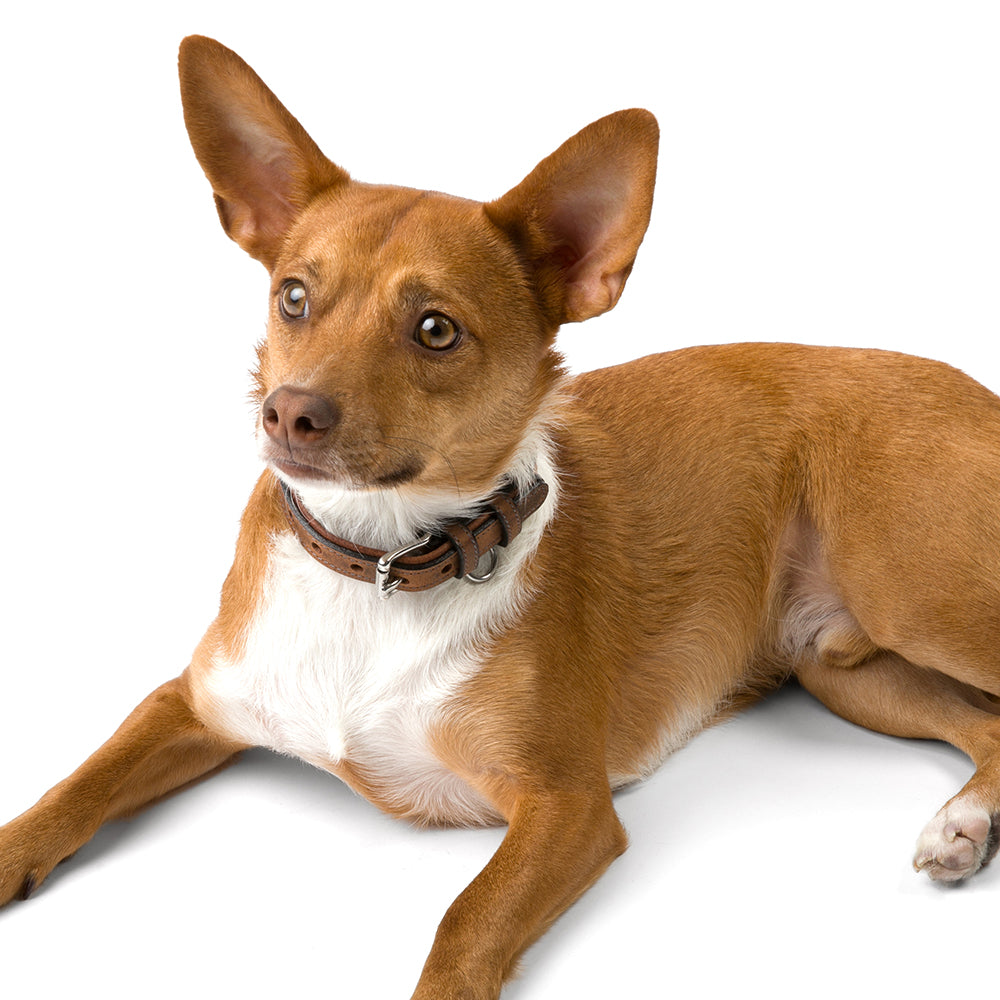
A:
296,471
405,473
300,471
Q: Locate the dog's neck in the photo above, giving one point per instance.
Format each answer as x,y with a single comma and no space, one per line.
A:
388,518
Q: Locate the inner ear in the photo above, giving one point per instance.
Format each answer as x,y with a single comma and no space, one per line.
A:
596,254
257,203
581,214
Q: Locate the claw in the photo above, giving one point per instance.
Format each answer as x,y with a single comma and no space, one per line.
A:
30,885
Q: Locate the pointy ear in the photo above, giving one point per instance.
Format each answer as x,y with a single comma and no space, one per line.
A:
581,214
263,167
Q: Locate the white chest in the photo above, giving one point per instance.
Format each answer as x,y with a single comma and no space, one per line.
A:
333,675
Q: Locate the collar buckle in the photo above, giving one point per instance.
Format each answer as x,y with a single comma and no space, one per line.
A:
387,587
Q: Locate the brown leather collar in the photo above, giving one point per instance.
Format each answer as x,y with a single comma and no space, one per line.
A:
454,551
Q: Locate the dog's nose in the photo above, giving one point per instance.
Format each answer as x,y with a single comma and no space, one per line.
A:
295,418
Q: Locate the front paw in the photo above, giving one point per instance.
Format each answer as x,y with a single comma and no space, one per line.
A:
957,842
29,850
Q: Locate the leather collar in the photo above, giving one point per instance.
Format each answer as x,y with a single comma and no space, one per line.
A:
452,552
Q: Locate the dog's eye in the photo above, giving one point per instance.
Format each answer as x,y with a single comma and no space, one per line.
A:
293,301
437,333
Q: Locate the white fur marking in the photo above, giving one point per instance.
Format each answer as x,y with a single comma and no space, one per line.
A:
954,843
332,674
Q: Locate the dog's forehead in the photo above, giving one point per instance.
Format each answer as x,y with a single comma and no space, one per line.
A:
360,226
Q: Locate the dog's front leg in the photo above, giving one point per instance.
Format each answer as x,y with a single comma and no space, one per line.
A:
557,846
160,747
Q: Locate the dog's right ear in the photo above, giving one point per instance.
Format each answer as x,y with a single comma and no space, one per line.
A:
262,165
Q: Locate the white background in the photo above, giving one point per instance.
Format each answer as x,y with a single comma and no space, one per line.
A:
830,172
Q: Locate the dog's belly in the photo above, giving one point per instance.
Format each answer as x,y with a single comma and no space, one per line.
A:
355,685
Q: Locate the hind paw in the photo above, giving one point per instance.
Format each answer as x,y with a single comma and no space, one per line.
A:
960,839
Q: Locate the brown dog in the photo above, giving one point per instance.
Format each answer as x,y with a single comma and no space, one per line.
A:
479,591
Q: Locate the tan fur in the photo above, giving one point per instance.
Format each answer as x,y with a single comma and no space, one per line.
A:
726,517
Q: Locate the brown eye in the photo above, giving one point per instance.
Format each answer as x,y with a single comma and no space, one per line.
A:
437,333
293,301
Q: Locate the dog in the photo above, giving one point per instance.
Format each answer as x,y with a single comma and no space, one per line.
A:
481,591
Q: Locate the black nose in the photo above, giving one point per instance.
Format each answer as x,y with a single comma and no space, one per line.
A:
295,418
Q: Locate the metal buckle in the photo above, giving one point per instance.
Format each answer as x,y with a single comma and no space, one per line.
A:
488,575
387,588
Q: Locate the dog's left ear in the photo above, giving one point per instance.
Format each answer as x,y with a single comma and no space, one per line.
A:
581,214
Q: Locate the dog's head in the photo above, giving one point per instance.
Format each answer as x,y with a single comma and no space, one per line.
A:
410,333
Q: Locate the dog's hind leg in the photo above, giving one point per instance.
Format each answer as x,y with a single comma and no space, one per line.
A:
890,695
160,747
